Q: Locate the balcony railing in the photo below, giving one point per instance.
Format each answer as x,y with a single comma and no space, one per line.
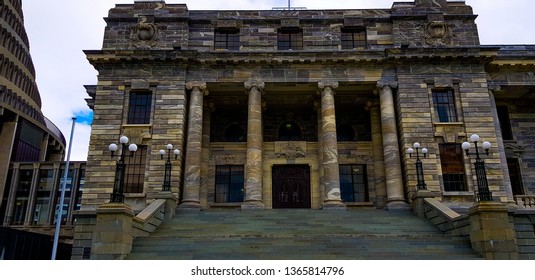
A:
525,201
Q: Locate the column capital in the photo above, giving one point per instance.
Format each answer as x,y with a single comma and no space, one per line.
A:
333,85
254,84
494,88
387,83
196,84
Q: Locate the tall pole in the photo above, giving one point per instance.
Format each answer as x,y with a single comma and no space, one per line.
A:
62,197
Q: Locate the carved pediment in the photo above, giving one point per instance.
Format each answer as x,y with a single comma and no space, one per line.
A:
290,150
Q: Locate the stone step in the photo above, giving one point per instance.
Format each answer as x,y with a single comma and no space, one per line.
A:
299,234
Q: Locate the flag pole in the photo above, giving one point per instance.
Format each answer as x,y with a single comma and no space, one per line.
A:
62,199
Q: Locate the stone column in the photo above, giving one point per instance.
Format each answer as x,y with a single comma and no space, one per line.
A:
501,147
378,156
255,139
394,181
205,152
192,173
332,198
321,186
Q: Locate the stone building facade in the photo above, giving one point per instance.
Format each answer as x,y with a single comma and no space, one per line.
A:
306,108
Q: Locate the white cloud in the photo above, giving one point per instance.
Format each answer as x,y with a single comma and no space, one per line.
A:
59,30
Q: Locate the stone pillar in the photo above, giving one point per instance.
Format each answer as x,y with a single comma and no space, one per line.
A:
394,182
192,173
113,235
255,139
501,147
332,197
205,153
378,156
491,233
321,186
8,218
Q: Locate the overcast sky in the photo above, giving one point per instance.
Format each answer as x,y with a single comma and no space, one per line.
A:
59,30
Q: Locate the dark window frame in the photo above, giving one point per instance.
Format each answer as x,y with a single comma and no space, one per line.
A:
453,169
229,183
227,39
354,184
444,104
290,39
353,38
139,107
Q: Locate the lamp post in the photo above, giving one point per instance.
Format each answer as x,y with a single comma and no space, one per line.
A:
483,192
167,175
118,186
419,167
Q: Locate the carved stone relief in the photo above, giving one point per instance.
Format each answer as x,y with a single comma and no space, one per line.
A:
145,34
437,33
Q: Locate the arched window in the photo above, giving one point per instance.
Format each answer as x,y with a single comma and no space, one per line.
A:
289,131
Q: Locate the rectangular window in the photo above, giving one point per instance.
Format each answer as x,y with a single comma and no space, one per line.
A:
67,198
353,38
41,212
139,108
290,39
516,177
81,183
505,123
135,170
353,183
451,159
444,103
227,39
229,183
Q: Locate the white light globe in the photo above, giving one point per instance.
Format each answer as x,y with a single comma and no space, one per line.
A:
416,145
123,139
169,146
132,147
113,147
486,145
161,152
425,151
410,151
474,138
176,152
465,146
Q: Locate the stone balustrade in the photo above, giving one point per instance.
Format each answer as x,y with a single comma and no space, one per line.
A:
525,201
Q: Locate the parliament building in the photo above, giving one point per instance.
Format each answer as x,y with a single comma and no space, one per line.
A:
309,109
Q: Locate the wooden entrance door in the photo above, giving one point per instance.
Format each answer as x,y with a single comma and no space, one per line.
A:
291,186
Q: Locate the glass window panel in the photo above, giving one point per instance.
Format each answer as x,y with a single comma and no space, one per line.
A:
452,163
229,183
140,107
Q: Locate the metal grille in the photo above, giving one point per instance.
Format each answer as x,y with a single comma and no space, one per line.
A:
135,171
451,160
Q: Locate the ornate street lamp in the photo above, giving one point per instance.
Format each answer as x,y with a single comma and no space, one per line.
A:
419,167
483,192
167,175
118,186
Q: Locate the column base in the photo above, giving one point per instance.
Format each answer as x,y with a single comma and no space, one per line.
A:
333,205
253,205
398,206
190,206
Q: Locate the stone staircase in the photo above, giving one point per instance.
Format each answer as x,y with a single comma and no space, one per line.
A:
369,234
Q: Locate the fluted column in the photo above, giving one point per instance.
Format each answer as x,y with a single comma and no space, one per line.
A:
501,147
378,156
255,139
332,197
192,173
394,181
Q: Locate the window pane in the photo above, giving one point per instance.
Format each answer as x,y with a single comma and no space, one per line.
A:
451,159
444,103
229,183
353,183
353,38
139,109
